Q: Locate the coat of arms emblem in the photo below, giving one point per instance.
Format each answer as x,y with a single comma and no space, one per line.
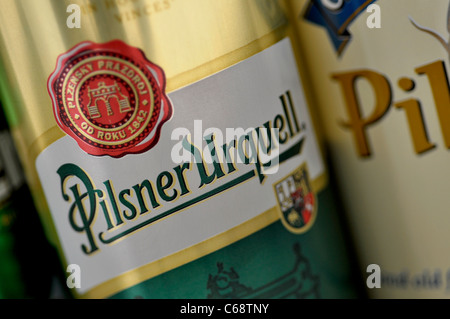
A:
296,201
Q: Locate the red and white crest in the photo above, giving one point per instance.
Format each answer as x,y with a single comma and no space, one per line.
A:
109,98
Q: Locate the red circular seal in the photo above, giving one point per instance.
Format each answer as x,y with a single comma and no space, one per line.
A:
109,98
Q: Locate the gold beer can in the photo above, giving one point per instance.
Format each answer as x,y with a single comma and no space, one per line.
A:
170,148
379,72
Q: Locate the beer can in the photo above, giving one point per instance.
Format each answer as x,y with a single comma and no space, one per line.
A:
22,240
379,72
170,148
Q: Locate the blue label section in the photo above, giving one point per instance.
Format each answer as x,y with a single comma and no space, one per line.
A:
336,20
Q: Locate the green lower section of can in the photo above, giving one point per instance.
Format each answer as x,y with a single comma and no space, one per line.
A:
271,263
28,264
11,281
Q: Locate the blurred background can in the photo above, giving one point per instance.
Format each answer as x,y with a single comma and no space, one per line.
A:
100,96
28,263
379,71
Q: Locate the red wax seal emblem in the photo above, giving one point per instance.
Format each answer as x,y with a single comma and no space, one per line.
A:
109,98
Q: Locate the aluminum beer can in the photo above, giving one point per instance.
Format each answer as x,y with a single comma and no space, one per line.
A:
170,148
379,72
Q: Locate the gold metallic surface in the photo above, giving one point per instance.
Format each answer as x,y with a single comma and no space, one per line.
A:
211,35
